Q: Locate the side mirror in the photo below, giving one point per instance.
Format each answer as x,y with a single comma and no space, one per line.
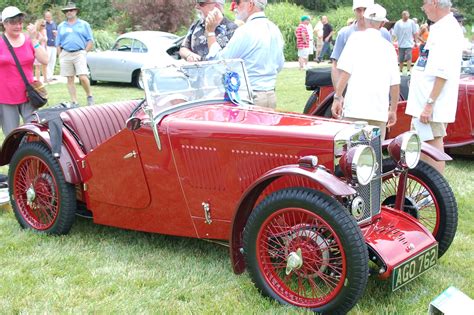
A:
133,123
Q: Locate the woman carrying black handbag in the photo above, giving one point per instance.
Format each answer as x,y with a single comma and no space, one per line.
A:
13,96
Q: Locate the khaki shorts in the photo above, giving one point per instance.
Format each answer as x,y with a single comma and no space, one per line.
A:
73,63
265,98
437,128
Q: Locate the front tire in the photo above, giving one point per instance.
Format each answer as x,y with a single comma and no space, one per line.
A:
302,248
41,198
428,198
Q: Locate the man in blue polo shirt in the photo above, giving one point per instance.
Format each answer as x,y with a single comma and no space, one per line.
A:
73,41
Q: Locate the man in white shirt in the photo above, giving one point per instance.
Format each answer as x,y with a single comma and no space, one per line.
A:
432,100
368,67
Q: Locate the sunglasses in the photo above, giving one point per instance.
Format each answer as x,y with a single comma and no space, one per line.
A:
238,2
70,10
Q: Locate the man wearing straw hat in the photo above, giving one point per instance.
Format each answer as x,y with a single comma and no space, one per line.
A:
74,40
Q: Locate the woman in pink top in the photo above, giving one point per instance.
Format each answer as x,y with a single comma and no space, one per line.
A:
13,100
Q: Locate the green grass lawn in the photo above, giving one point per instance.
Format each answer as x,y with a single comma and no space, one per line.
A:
98,269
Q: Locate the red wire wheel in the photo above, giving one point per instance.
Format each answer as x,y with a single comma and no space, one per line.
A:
36,193
303,249
428,198
41,198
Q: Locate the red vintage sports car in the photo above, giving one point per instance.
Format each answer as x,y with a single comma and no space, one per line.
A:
460,138
306,204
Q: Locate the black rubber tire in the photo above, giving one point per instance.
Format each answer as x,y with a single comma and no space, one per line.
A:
311,100
136,82
344,226
448,209
66,210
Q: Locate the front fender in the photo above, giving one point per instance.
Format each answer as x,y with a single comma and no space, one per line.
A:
13,140
331,183
427,149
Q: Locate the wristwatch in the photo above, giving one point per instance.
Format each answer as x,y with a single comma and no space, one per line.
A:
337,98
430,101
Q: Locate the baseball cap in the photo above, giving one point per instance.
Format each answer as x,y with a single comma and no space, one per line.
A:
10,12
376,12
361,4
304,18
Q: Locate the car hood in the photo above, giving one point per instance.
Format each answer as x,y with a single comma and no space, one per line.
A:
255,124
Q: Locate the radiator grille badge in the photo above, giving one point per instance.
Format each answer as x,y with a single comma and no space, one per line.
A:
358,207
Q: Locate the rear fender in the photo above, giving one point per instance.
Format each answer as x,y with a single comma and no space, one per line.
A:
332,184
13,140
427,149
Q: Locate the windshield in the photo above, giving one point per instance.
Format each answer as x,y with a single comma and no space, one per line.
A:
169,86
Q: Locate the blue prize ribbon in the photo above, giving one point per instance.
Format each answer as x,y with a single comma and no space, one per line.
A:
231,82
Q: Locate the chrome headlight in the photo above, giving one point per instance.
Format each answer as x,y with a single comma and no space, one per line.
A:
406,149
359,164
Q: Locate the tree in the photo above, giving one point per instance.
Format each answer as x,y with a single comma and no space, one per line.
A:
157,15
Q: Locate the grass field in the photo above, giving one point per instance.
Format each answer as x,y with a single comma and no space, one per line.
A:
98,269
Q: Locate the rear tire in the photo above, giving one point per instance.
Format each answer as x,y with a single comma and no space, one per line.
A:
311,101
41,198
314,229
136,79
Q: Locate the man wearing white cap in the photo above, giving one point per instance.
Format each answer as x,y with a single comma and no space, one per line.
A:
358,6
194,47
369,69
258,42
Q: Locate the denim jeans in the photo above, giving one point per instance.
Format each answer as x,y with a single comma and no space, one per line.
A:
325,49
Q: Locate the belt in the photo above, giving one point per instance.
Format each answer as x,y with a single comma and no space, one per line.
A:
258,91
72,51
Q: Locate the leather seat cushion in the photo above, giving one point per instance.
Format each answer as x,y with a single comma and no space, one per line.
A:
95,124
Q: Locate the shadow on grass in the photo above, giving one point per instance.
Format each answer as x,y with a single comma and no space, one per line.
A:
86,229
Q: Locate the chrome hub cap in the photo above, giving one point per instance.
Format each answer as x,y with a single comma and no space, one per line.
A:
294,261
30,196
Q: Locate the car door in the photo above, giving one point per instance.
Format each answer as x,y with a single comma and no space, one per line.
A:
117,64
117,176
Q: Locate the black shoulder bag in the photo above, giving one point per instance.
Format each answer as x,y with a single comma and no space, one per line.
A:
35,91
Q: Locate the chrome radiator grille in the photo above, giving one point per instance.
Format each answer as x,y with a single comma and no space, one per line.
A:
371,192
363,135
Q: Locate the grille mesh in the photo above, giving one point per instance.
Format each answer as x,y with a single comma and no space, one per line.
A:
371,192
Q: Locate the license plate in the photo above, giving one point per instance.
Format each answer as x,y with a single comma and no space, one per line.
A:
412,268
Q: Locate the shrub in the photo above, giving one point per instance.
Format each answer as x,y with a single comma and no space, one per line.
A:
287,17
157,15
103,40
338,18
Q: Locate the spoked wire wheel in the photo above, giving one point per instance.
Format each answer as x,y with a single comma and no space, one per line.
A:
302,248
36,193
301,257
419,200
428,198
41,198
